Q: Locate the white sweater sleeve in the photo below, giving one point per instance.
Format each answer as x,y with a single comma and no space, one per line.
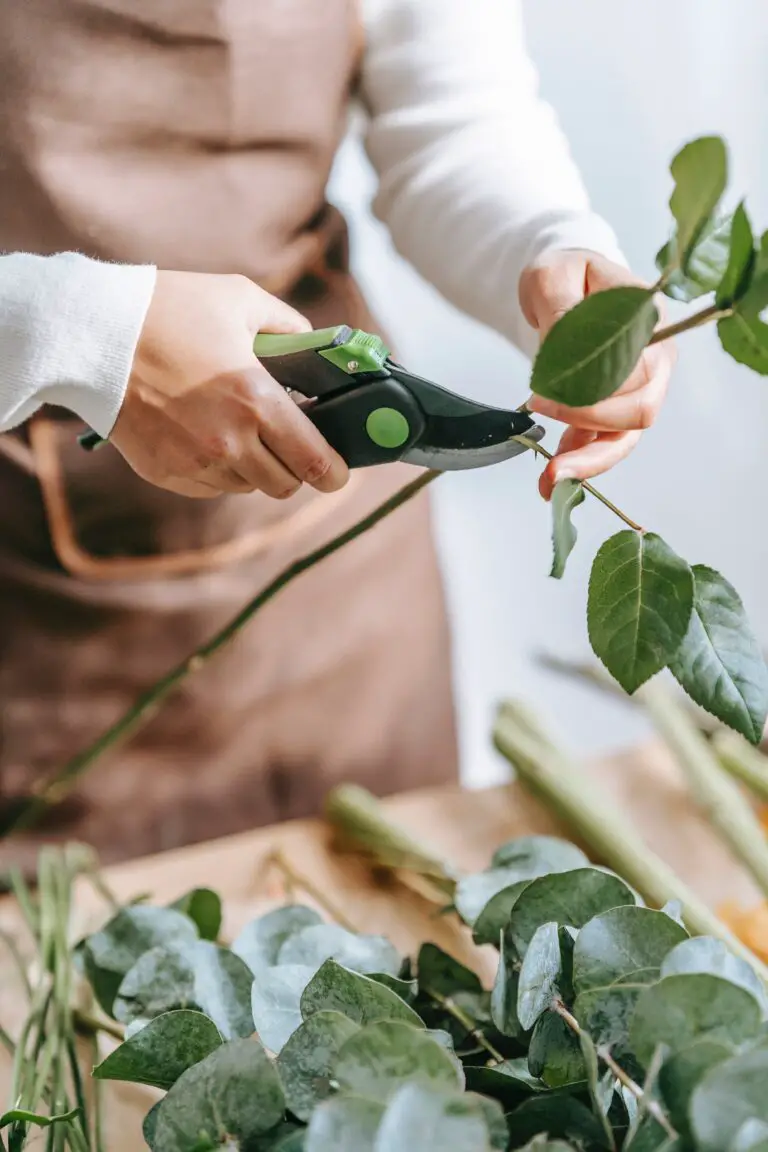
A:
476,178
68,333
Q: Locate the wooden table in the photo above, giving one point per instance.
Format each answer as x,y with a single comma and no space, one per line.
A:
462,826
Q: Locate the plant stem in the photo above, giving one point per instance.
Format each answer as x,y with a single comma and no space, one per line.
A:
604,1054
56,786
278,861
705,316
466,1021
86,1022
742,761
541,451
719,798
550,774
359,817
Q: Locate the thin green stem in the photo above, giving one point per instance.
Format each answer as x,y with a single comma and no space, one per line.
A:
58,785
466,1021
541,451
296,879
705,316
91,1025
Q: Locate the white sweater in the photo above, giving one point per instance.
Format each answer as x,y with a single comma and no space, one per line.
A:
476,180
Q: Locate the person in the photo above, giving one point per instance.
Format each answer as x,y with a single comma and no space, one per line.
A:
198,137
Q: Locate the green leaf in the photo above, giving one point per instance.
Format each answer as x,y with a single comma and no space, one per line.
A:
751,1137
276,1003
706,954
495,1120
560,1117
539,975
379,1058
640,606
406,989
729,1095
700,172
681,1009
542,1143
566,498
741,261
22,1116
554,1054
510,1083
707,262
495,915
569,897
745,339
720,662
149,1126
201,976
536,856
344,1124
306,1060
505,989
162,1050
338,989
287,1137
475,891
112,952
314,945
203,906
674,909
591,350
680,1074
441,973
623,945
260,941
420,1117
607,1015
234,1094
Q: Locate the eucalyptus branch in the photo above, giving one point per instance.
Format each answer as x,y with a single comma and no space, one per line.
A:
58,785
541,451
466,1021
604,1054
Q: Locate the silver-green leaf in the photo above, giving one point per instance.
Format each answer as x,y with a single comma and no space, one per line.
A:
623,945
381,1057
314,945
260,941
344,1124
571,897
729,1095
420,1117
566,497
334,988
161,1051
539,975
276,1003
306,1061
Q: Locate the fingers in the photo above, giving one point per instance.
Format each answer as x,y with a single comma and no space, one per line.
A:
634,406
549,290
582,455
290,439
269,314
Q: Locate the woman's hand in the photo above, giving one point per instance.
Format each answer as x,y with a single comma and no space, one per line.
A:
601,435
201,415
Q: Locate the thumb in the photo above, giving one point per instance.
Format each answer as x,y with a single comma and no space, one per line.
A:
549,290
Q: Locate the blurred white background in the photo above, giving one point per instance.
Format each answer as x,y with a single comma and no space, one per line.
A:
631,83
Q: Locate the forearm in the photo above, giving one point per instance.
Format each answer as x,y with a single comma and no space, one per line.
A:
68,332
476,179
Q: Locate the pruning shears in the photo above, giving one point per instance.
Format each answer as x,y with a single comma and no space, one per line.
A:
373,411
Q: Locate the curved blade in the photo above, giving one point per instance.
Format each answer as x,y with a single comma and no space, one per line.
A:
458,459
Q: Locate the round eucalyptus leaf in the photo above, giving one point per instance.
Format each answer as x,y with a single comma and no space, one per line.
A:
751,1137
539,975
276,1003
149,1125
539,855
338,989
561,1117
639,606
679,1075
623,945
706,954
474,892
260,941
591,350
407,990
494,917
495,1120
223,985
314,945
381,1057
233,1094
203,906
439,972
344,1124
505,992
294,1142
510,1083
607,1015
110,953
307,1059
161,1051
554,1054
684,1008
569,898
421,1117
728,1096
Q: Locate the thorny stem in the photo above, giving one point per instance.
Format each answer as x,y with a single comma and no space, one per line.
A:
466,1021
540,451
690,322
623,1078
56,786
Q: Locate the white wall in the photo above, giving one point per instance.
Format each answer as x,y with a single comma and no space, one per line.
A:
631,82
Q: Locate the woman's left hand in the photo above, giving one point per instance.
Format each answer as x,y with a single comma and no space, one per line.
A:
601,435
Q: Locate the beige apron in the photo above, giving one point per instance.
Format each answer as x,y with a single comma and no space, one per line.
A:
198,134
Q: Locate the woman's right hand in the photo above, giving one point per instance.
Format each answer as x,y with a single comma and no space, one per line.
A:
201,416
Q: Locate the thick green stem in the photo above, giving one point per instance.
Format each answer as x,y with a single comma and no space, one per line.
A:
57,786
742,761
551,776
706,316
719,798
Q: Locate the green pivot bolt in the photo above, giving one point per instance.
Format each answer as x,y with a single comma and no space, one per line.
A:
387,427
